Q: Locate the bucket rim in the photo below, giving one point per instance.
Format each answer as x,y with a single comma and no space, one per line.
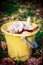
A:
23,35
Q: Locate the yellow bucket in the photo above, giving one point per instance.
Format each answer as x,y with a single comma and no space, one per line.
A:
17,48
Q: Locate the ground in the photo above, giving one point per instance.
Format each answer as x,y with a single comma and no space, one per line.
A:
20,11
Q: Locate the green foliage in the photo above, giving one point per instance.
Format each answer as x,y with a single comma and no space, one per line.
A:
12,8
3,53
2,38
19,62
38,36
26,14
36,53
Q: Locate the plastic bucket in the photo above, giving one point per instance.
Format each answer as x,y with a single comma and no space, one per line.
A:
17,48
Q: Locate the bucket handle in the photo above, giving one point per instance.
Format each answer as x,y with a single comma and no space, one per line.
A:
30,44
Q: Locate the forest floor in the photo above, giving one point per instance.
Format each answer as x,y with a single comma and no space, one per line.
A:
15,11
